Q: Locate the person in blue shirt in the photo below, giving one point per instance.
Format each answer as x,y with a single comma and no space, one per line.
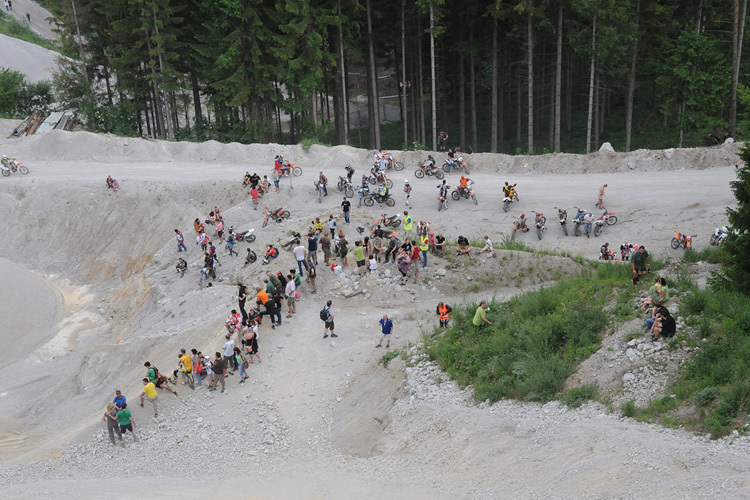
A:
119,400
387,330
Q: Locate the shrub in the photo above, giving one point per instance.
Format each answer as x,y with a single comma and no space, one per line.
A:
574,398
628,409
706,396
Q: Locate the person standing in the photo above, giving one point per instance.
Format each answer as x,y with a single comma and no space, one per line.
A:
274,280
300,254
312,248
180,241
359,256
127,422
424,247
443,312
588,219
229,354
480,316
407,192
386,330
600,198
343,248
149,393
267,302
254,195
327,312
414,257
325,245
346,207
219,374
110,416
291,292
312,273
332,225
640,264
119,400
442,140
408,226
241,298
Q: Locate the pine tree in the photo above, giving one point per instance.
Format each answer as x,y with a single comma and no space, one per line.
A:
736,248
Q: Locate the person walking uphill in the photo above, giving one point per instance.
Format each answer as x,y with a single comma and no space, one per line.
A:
387,330
480,317
180,241
326,315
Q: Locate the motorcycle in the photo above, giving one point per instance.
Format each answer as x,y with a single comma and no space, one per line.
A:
720,234
562,217
277,215
320,188
12,166
608,217
393,163
423,170
377,179
345,186
507,200
383,221
443,200
578,220
293,241
467,192
682,240
370,199
519,223
243,236
458,164
292,168
539,222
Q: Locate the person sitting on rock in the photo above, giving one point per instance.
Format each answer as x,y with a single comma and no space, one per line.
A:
462,246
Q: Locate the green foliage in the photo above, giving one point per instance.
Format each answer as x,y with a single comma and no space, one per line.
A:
576,397
19,97
628,409
534,344
388,356
709,254
706,396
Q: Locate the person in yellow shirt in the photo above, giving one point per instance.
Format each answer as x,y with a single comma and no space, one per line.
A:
186,368
149,392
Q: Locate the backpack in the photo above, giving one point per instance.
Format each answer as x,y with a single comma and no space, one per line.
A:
324,314
407,189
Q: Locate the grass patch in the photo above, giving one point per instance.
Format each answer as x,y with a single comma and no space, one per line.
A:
575,398
534,344
387,357
12,27
708,254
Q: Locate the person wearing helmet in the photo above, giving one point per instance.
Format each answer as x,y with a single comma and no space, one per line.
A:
407,192
349,172
5,160
429,163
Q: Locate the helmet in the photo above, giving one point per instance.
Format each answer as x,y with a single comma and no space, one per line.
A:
348,165
406,181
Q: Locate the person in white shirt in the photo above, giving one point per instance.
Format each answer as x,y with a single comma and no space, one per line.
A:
300,253
373,263
229,354
291,292
488,246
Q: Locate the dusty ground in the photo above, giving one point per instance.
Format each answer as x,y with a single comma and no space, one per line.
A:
318,418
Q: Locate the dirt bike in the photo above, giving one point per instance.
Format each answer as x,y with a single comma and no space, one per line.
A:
608,217
370,199
420,172
507,200
293,241
682,240
292,168
720,234
277,215
539,222
562,218
11,166
519,223
578,220
321,189
383,221
375,180
467,192
250,258
345,186
608,255
243,236
393,163
458,164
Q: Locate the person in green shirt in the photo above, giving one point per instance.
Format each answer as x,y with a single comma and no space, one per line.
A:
127,423
640,263
481,315
359,256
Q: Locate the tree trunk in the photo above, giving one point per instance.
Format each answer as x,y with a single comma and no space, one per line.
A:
591,86
738,33
493,109
519,109
682,120
432,78
558,80
373,81
82,55
167,107
530,64
461,103
404,114
630,91
568,96
422,130
473,94
344,98
597,109
196,92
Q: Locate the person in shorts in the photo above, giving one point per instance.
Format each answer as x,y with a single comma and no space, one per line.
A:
149,393
127,423
160,381
219,369
329,321
387,329
640,264
312,273
359,256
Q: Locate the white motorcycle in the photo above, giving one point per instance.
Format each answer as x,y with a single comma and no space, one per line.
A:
720,234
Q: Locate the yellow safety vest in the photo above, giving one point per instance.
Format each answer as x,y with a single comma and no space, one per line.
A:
408,224
424,244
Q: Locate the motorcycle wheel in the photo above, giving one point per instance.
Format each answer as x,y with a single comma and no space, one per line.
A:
714,239
251,257
440,175
6,172
389,183
466,169
398,165
265,222
296,171
340,186
675,243
565,229
612,220
455,195
597,230
418,173
349,192
390,202
440,206
285,214
23,170
320,196
577,230
513,234
359,205
544,221
250,238
396,223
506,206
446,167
474,197
368,201
539,232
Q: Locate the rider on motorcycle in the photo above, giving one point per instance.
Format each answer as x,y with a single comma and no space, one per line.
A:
383,192
349,172
463,187
443,189
509,191
5,160
323,181
429,163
